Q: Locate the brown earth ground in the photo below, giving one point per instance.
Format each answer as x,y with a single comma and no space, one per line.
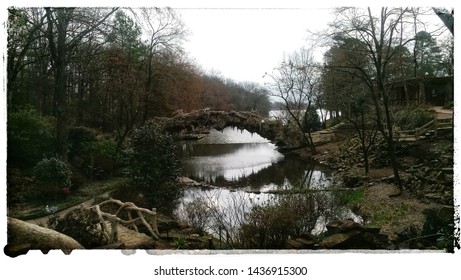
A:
395,213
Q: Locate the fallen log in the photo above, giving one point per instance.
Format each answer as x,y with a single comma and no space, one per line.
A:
20,232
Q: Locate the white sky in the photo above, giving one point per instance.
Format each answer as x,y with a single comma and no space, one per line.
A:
243,39
243,44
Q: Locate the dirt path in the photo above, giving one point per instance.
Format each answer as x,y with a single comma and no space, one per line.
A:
442,113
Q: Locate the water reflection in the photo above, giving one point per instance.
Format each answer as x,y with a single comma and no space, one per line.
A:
228,208
226,199
249,171
241,159
208,162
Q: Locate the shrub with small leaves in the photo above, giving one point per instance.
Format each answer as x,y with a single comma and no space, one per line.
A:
154,167
101,157
78,136
311,121
52,176
30,136
411,117
270,225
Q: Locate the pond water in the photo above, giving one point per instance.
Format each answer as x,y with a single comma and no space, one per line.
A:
244,160
247,170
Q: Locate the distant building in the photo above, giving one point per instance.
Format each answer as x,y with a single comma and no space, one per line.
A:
436,91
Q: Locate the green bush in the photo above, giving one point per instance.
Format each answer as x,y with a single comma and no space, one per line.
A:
103,147
153,166
411,117
449,105
311,121
52,176
30,137
101,157
78,137
126,193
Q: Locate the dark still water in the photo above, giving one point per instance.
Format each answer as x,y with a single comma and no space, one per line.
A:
244,160
248,171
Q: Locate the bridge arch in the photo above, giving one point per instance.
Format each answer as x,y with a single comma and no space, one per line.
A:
195,121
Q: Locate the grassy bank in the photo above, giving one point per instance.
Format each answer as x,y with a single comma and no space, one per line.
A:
36,209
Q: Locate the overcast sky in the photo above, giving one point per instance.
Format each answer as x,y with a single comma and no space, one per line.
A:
242,40
243,44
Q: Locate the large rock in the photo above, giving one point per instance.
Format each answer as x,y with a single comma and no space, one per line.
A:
348,225
340,240
300,243
20,232
354,240
343,226
322,137
304,241
347,234
352,180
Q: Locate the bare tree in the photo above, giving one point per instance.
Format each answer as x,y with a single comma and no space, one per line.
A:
66,28
165,31
378,39
295,82
23,33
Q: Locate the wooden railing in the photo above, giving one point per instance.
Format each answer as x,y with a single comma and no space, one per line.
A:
114,219
425,128
433,125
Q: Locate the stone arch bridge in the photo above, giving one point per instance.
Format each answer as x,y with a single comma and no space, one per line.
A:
199,120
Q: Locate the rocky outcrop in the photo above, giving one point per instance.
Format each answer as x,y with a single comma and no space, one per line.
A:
343,234
432,183
323,136
353,180
196,121
347,234
25,235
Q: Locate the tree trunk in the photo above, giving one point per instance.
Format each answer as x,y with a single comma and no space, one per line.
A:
61,110
422,93
300,127
58,51
364,144
81,94
391,143
388,136
405,91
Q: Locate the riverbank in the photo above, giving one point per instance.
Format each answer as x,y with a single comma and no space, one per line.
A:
421,217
